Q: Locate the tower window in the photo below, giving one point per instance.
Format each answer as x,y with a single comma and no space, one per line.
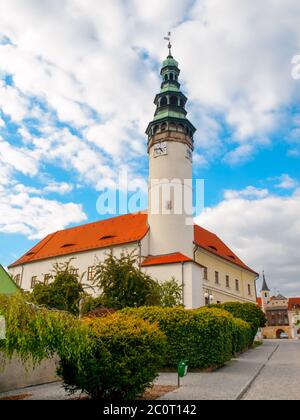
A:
166,78
171,76
173,100
163,127
164,101
180,127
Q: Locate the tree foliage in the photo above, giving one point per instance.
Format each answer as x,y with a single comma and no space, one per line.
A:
64,293
123,284
170,294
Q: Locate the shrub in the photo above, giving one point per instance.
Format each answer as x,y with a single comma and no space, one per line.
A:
37,333
242,336
64,293
123,284
115,356
170,293
204,337
126,357
249,312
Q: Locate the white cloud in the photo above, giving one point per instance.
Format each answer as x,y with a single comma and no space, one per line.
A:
23,212
286,182
264,231
61,188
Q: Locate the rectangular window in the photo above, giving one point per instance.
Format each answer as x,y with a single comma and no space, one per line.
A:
33,281
249,289
91,273
237,285
46,279
205,273
217,277
227,282
18,279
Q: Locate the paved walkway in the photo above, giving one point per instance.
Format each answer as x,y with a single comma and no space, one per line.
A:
269,372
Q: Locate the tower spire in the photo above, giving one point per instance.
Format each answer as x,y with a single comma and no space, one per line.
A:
168,38
265,287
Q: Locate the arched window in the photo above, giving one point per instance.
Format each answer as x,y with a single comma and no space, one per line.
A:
163,127
173,127
180,127
181,103
164,101
173,100
166,78
155,129
171,76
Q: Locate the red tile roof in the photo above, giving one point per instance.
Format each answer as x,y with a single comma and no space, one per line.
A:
166,259
293,302
116,231
212,243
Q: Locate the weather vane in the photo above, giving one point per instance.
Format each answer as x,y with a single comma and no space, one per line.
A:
168,38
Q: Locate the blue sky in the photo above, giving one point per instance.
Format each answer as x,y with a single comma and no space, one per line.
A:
75,103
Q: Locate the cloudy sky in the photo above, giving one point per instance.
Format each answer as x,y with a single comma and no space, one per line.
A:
77,82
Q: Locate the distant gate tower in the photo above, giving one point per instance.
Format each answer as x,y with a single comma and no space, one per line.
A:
170,149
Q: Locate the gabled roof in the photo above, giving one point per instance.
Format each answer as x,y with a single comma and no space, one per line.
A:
212,243
7,285
166,259
119,230
279,297
111,232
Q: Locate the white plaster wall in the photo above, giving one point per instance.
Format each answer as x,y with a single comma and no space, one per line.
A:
169,232
188,274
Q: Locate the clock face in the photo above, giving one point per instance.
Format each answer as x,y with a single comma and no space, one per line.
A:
189,154
160,149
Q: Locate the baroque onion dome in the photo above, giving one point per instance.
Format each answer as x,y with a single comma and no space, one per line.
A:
170,115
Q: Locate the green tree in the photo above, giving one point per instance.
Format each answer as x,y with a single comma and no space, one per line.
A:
170,293
123,285
64,293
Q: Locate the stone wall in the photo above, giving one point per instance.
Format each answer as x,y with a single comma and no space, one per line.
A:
16,375
272,332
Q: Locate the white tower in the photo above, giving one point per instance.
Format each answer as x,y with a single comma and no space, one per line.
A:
170,148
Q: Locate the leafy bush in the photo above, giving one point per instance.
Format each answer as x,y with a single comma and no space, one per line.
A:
64,293
204,337
37,333
170,293
242,336
249,312
123,284
113,356
127,354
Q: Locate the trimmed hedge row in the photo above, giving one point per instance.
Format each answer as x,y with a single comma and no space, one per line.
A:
207,337
249,312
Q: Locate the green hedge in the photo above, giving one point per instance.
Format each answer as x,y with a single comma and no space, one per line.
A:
115,356
249,312
204,336
127,353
